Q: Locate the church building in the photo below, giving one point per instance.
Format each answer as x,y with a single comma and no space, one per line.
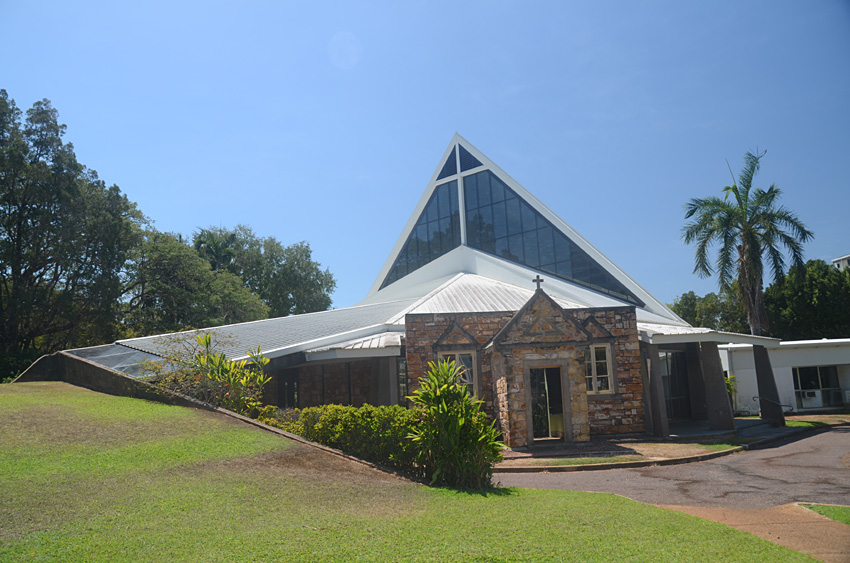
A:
557,341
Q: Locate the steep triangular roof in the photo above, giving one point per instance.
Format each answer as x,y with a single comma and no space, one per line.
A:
474,218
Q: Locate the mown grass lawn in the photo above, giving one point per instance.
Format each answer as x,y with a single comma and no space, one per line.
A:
89,477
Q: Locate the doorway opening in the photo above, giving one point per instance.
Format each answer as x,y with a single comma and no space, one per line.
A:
547,403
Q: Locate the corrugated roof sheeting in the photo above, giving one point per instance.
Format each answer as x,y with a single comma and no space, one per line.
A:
473,293
275,334
378,341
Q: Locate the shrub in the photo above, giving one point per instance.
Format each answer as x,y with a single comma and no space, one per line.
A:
455,445
376,434
211,377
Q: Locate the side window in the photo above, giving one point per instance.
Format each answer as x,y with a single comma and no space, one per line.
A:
598,374
465,361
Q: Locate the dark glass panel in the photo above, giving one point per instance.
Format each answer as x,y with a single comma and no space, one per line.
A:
486,215
434,246
453,200
562,248
529,243
828,377
473,228
796,379
444,207
809,378
431,210
502,247
450,166
500,228
455,222
446,234
516,249
467,161
529,217
513,215
488,245
497,189
483,189
546,246
470,192
564,269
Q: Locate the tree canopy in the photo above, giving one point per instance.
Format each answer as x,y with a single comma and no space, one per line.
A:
286,278
80,265
749,226
811,302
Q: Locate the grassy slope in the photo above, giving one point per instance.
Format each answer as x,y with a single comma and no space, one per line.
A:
90,477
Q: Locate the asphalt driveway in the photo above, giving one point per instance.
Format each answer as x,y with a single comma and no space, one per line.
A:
815,468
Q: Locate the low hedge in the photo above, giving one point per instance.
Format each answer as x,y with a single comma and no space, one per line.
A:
376,434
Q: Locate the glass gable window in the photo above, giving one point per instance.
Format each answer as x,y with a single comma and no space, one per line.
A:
449,168
498,221
436,232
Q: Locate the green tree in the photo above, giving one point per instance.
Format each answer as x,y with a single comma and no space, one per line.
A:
723,311
286,278
749,225
173,288
812,302
65,239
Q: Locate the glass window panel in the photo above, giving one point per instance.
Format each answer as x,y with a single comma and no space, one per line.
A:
529,217
470,191
445,226
602,384
483,189
443,201
809,378
546,246
513,215
486,226
450,167
489,245
473,228
502,247
564,269
497,189
828,377
500,228
516,248
600,353
796,379
453,201
562,248
589,381
588,366
529,243
467,161
601,368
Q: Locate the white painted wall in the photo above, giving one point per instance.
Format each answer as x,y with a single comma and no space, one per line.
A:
737,359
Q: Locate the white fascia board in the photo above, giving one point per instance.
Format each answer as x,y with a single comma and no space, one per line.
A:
356,354
710,336
326,341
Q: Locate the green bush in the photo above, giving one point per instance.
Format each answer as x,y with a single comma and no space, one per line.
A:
210,376
376,434
455,445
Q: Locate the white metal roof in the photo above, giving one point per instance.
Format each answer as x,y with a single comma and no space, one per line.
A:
654,333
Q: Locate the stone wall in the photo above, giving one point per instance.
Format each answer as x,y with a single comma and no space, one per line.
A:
541,334
426,335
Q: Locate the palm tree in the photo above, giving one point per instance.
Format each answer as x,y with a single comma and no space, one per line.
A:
748,225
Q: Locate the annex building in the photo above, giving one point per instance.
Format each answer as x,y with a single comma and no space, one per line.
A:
557,340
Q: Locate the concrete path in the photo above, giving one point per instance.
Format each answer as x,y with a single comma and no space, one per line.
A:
748,490
790,525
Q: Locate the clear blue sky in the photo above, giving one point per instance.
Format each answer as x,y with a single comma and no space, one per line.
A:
323,121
